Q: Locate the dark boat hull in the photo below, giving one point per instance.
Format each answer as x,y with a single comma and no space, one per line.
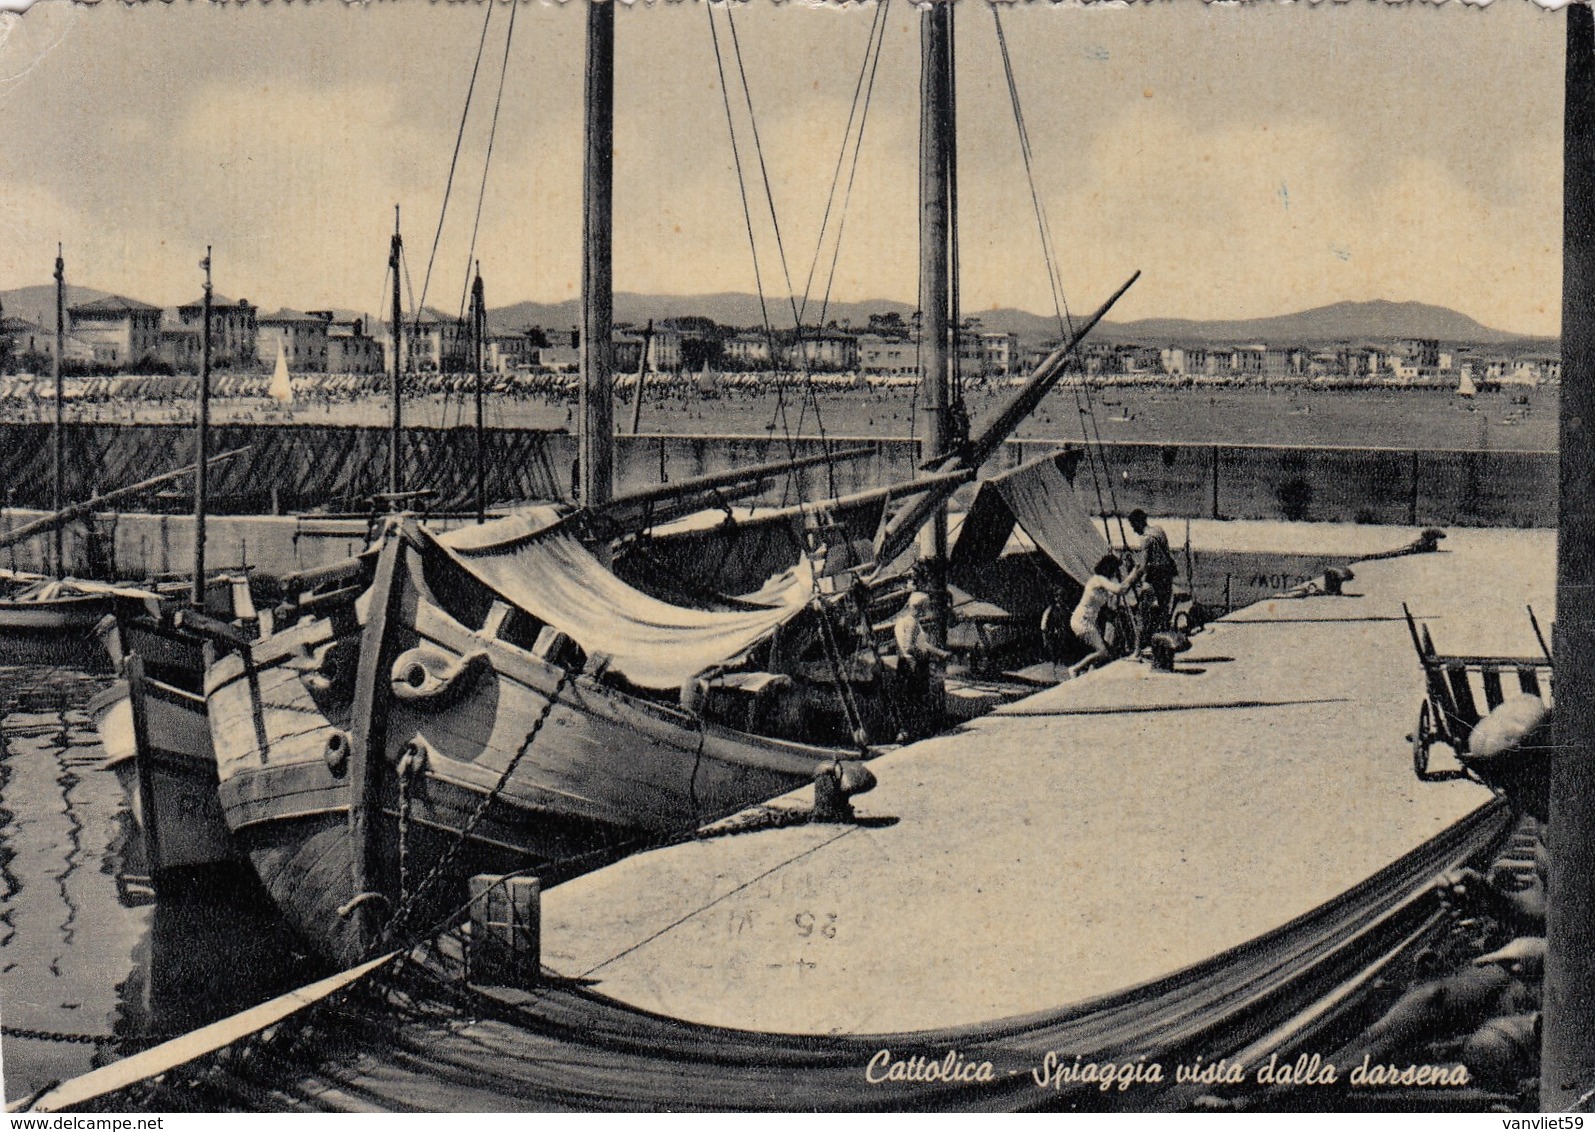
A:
55,631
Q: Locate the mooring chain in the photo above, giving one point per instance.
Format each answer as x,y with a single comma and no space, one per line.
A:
67,1037
407,906
406,776
58,1036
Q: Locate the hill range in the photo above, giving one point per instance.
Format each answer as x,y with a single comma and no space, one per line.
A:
1339,322
1376,320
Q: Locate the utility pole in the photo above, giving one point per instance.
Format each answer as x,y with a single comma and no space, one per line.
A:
1567,1061
596,427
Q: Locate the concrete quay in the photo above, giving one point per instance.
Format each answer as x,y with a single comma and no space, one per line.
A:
1102,833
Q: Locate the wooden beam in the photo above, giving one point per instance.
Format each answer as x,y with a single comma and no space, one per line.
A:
1567,1070
65,515
368,727
201,1043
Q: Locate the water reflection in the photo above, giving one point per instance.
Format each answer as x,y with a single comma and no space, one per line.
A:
91,967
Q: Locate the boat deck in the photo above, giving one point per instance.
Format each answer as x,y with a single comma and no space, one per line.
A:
1092,837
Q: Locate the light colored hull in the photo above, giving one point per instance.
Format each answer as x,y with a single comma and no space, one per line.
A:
605,771
165,765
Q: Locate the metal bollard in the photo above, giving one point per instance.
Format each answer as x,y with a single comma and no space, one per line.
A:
1164,646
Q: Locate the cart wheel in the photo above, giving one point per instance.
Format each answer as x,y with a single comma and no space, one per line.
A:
1421,737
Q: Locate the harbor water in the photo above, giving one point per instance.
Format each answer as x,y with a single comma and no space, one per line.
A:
91,968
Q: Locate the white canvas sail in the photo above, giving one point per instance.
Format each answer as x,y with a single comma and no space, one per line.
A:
1465,387
282,386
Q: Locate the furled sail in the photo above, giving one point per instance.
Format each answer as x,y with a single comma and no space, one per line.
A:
535,563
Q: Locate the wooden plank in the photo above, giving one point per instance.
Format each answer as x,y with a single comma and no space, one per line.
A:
1467,710
206,1040
368,720
1493,695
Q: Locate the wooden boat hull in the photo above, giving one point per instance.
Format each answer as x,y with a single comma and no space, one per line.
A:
157,742
579,771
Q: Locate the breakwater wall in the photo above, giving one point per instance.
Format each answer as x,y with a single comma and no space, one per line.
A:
294,469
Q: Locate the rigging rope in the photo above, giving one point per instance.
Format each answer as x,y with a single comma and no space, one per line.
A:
955,302
747,219
487,161
786,274
1095,452
459,138
858,147
841,157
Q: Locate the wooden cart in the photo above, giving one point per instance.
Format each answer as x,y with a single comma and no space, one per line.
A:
1456,686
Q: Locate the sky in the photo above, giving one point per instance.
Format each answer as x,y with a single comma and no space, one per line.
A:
1250,160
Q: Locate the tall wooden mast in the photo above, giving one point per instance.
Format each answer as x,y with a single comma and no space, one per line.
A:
478,338
1567,1070
936,143
596,428
58,480
202,447
396,391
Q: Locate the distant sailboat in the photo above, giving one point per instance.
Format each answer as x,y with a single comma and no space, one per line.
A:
282,387
1465,387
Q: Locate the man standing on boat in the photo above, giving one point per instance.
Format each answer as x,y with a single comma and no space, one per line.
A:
916,654
1158,568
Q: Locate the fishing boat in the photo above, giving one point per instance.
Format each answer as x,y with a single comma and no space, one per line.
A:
506,704
50,619
498,700
153,724
157,744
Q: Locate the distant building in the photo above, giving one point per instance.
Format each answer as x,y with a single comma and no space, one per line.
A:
1247,362
181,347
350,349
1281,361
22,341
664,350
1533,369
626,352
992,353
517,350
1424,353
232,328
301,337
824,351
559,359
121,331
749,350
887,357
436,343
